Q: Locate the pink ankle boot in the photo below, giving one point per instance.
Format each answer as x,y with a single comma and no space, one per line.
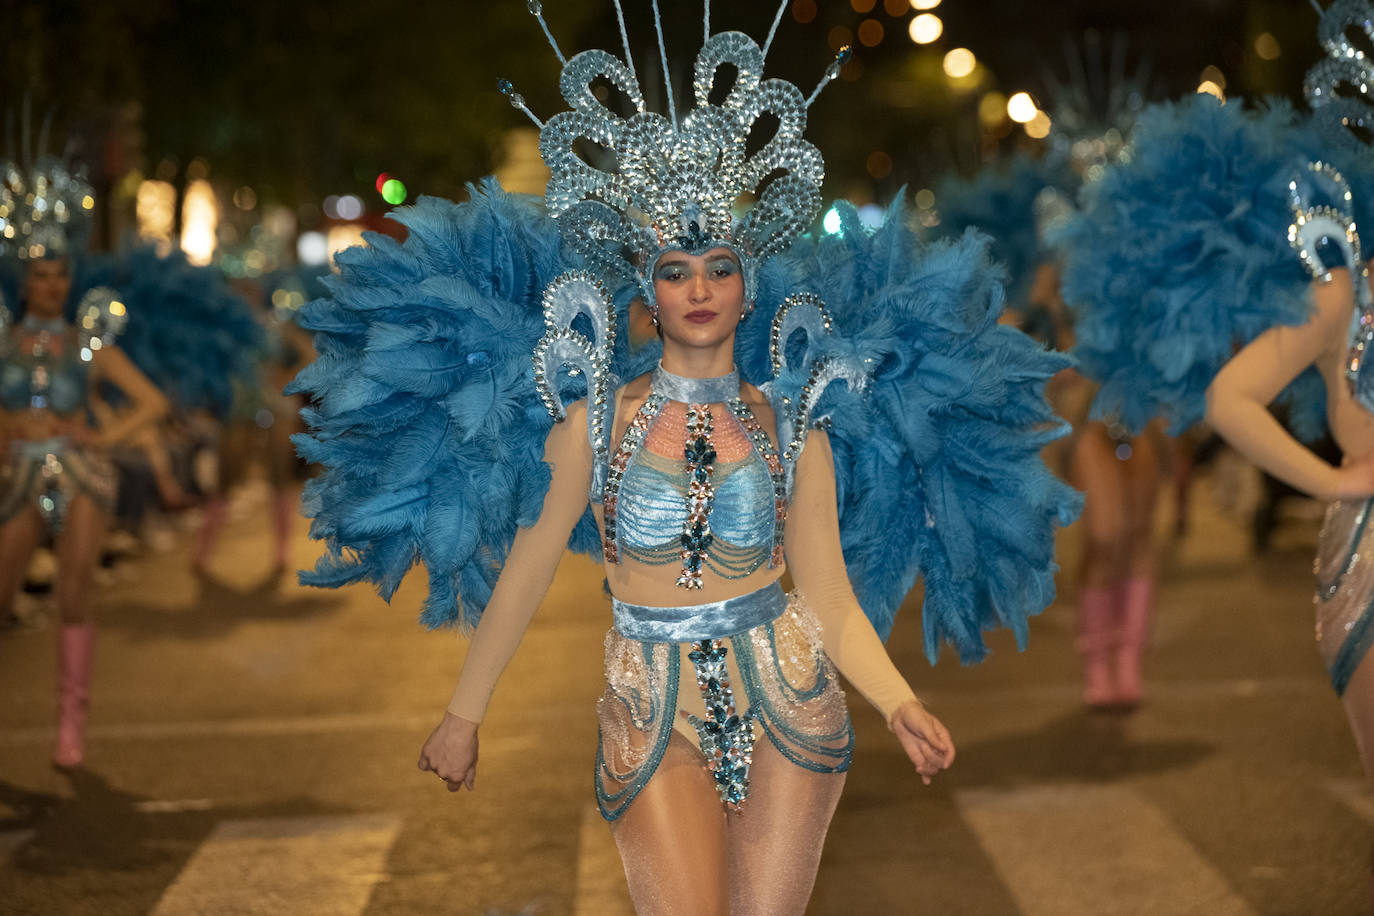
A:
1137,605
1096,626
74,650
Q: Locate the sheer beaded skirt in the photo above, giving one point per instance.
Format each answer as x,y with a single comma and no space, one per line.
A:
49,476
780,687
1345,588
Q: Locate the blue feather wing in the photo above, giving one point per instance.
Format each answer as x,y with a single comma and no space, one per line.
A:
423,408
1181,255
937,463
188,331
1001,203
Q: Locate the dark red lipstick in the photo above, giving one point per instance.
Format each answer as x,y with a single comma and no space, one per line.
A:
700,316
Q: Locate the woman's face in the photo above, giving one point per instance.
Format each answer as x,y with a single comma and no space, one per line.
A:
46,285
700,297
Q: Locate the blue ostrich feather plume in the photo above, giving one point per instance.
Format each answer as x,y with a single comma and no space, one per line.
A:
425,418
423,407
1000,202
187,331
1180,256
937,462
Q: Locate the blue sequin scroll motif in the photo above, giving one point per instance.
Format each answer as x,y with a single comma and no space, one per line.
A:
726,737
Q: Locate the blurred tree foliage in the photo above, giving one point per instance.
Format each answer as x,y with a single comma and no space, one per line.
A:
303,98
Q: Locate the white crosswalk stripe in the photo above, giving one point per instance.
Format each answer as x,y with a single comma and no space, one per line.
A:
1088,850
312,866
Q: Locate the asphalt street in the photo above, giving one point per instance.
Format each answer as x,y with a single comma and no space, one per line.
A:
253,743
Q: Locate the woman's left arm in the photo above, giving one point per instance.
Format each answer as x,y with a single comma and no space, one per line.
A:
1238,398
150,404
812,539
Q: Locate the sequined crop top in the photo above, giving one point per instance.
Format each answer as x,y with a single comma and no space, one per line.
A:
653,509
671,498
36,377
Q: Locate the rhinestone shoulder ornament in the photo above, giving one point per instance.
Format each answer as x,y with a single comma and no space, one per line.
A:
1323,226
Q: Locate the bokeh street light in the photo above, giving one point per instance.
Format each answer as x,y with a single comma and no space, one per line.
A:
925,28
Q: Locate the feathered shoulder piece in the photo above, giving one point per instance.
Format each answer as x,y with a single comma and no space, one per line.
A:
423,406
187,330
1002,202
1181,255
937,432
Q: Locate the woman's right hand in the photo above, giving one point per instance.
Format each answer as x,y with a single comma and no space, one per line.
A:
451,752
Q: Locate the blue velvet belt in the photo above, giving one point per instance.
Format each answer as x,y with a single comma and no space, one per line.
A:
693,622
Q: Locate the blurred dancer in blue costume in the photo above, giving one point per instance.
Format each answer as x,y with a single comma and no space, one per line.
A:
195,338
1021,205
56,480
1197,248
263,418
855,448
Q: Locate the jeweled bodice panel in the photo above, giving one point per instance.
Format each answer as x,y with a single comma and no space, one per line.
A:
654,497
43,372
696,481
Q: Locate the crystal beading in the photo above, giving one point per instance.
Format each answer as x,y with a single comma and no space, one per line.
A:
670,183
764,446
806,312
570,295
1314,224
634,435
700,456
1339,114
726,738
47,208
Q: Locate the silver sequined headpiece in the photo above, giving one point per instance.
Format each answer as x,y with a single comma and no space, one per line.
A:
47,207
676,183
1338,86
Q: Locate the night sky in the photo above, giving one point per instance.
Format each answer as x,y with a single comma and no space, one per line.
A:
304,99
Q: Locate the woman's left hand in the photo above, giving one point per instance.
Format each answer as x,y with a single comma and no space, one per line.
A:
924,738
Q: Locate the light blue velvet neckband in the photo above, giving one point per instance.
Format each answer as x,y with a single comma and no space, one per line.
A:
688,390
693,622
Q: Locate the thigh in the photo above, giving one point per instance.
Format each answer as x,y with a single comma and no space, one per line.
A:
776,837
1101,477
19,537
1144,473
672,839
79,544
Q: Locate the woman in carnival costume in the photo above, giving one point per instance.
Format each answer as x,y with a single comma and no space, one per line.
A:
1022,205
56,480
263,419
194,338
1225,272
699,481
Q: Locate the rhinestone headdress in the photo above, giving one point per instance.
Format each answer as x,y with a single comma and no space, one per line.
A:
675,183
47,207
1338,87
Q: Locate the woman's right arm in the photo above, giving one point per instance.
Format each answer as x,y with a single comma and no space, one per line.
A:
451,750
1238,398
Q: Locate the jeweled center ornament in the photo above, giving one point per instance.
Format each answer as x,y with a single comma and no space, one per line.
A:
726,737
701,464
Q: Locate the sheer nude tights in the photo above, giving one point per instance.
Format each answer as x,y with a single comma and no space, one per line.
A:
78,552
685,856
1118,515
